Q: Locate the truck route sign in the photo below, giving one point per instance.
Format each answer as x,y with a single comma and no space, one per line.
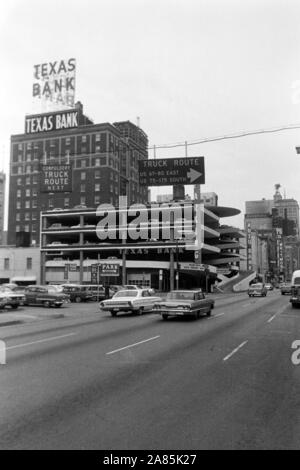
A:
172,171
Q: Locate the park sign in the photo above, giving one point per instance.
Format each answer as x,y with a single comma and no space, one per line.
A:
172,171
109,269
55,178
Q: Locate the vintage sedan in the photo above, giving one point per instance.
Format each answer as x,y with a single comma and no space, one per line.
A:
9,298
258,289
48,296
190,303
130,300
286,288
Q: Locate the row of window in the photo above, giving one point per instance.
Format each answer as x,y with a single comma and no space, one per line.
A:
28,204
7,263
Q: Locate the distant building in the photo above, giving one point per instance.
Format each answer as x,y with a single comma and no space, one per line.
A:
104,165
19,265
2,205
271,222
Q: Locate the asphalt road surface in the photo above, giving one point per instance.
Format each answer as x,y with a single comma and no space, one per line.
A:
138,382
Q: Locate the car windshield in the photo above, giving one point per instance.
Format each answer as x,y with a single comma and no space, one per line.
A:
297,281
180,295
126,293
54,289
256,286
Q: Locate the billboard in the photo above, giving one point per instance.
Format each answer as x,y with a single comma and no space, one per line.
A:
172,171
55,178
51,121
54,83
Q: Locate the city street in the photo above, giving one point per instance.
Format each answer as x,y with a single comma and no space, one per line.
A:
138,382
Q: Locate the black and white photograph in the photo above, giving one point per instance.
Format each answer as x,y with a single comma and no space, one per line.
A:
149,228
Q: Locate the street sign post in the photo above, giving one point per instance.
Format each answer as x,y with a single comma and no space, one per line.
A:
172,171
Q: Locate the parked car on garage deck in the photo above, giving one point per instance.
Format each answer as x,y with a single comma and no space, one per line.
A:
190,303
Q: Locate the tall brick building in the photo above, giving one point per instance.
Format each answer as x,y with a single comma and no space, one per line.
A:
104,159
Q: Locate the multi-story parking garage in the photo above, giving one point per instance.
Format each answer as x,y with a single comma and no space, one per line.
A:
160,249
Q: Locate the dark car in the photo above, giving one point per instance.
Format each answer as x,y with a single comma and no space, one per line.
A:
48,296
257,289
78,293
190,303
285,288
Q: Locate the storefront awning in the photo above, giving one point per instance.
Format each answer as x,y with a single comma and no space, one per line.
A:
23,279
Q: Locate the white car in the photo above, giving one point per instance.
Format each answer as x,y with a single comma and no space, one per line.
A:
131,300
10,298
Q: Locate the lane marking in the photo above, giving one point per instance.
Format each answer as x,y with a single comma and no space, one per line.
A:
132,345
272,318
215,316
235,350
40,341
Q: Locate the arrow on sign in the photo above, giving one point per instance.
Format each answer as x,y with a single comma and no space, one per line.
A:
193,175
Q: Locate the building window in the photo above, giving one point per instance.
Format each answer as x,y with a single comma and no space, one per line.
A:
28,157
17,228
19,170
27,204
97,137
67,202
84,139
6,264
18,205
83,175
19,181
19,192
27,180
82,200
20,147
97,174
97,200
27,216
34,203
28,263
82,188
97,187
97,161
83,163
50,203
18,217
33,216
27,228
34,192
27,192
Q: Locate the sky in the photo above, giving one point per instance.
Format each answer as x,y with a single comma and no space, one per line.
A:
189,69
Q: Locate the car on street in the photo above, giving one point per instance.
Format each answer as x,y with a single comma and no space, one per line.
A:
78,293
9,298
258,289
286,288
269,286
184,303
130,300
48,296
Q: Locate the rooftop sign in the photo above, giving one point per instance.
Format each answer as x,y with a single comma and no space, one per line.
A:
54,83
51,122
172,171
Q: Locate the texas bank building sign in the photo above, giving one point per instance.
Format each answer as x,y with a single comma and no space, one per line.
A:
51,122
